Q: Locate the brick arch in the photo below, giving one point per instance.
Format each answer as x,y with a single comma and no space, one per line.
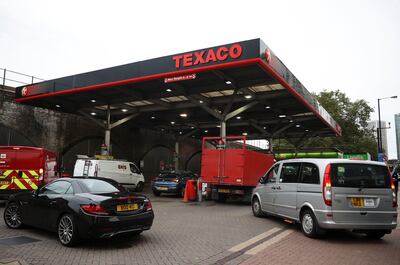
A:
190,158
153,147
67,154
19,133
78,141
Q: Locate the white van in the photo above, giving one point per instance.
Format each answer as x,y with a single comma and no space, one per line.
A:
125,173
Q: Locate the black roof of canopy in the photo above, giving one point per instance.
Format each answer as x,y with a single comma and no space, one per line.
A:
205,84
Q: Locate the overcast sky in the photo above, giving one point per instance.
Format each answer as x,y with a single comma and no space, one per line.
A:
353,46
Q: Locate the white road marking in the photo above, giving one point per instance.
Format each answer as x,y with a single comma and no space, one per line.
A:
253,240
269,242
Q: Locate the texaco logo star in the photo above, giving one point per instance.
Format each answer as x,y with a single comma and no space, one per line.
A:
267,55
24,91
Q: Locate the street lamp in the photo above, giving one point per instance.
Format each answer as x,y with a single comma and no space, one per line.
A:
379,131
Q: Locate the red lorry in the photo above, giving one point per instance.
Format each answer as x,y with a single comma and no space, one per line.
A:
24,168
230,169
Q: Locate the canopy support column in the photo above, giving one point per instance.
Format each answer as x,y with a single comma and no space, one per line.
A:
176,156
223,129
107,137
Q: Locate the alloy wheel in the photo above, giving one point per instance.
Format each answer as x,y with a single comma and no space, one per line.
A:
12,216
65,229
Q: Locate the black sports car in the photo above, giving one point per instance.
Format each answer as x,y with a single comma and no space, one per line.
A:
81,208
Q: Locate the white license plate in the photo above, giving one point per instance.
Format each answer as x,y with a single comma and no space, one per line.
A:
162,188
369,202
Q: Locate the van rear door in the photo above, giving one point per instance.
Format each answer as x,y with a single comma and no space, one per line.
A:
28,163
361,193
7,166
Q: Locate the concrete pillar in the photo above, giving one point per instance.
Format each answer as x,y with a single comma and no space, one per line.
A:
223,129
176,158
270,145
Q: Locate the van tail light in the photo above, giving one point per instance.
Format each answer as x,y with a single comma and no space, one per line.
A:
327,186
41,174
394,195
94,209
149,207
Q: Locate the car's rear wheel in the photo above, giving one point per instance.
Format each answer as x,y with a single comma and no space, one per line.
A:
375,234
256,207
156,193
139,186
67,231
309,224
12,216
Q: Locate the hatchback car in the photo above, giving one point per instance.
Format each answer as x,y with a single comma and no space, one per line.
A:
78,208
329,194
171,182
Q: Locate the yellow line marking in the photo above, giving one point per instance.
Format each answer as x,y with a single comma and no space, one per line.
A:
253,240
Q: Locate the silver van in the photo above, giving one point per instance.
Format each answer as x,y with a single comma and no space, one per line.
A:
329,194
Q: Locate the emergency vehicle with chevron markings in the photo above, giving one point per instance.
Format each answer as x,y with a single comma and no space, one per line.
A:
24,168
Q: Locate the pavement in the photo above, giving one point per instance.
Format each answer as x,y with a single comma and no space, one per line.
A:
202,233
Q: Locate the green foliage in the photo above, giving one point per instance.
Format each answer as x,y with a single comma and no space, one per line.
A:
353,117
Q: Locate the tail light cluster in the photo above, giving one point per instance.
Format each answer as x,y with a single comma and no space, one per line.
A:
148,206
394,195
94,209
327,186
41,174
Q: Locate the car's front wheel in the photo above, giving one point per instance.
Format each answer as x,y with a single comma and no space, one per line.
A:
12,216
256,207
67,231
139,186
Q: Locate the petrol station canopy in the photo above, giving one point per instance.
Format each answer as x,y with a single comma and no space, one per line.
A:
242,85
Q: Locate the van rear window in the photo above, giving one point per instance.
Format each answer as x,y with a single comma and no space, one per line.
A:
360,176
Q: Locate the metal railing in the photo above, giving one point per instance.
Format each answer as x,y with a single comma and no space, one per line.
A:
9,78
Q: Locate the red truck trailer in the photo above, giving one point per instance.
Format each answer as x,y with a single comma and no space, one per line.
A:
231,170
24,168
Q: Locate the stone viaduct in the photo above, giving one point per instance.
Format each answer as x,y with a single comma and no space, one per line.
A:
69,135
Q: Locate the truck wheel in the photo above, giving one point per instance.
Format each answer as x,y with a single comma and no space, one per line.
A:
139,186
222,197
156,193
256,207
67,231
12,216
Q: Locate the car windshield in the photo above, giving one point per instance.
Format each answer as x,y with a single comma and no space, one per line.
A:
360,176
100,186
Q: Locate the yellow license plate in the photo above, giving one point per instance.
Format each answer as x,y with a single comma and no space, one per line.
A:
127,207
162,188
223,190
357,202
5,182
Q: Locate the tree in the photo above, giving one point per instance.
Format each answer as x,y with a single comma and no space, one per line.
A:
353,117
